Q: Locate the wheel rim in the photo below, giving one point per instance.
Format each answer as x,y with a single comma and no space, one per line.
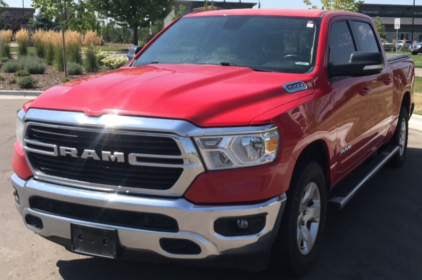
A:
308,218
402,137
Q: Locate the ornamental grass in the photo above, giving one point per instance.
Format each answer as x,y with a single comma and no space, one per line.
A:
91,38
39,43
5,38
22,38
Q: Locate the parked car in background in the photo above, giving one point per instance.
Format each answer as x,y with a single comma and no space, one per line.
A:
416,48
388,47
403,43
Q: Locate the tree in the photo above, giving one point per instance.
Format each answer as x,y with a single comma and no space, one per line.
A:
134,13
178,11
380,27
84,17
63,12
7,21
44,23
3,4
340,5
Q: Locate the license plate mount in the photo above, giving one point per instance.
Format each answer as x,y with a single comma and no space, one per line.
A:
94,241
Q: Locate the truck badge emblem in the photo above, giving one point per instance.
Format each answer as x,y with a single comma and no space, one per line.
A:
345,150
295,86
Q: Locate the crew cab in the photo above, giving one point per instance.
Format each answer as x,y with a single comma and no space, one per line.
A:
222,142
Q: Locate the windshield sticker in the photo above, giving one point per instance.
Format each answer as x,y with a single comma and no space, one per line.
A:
295,86
301,63
310,24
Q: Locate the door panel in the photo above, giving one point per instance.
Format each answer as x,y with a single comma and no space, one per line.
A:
353,115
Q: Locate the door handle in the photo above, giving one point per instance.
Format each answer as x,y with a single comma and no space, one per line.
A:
388,81
365,91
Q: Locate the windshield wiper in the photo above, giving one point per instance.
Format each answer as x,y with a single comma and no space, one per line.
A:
227,64
262,69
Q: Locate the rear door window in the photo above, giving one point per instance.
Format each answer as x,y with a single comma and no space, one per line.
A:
365,37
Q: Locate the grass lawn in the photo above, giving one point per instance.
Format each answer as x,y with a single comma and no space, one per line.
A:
31,50
418,95
418,60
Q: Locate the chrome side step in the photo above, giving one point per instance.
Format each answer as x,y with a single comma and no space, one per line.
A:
344,192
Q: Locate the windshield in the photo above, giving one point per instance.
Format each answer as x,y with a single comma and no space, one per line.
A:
263,43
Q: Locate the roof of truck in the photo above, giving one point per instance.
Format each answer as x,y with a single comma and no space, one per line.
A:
263,12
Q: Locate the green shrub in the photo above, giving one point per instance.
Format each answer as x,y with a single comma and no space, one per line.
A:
5,50
100,56
12,81
32,64
21,73
11,67
27,82
49,53
73,53
65,80
58,57
2,78
90,62
74,69
113,62
4,59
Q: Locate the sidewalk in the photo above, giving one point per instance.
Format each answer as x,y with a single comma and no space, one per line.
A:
415,122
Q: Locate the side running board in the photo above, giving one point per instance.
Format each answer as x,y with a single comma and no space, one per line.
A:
344,192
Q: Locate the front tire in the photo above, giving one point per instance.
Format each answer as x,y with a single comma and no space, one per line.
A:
400,138
302,226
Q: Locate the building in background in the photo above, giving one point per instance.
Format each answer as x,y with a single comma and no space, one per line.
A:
197,6
388,13
17,12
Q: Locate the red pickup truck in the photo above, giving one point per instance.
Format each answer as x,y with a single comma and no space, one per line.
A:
222,142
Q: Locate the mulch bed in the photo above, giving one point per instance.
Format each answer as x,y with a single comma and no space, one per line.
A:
49,79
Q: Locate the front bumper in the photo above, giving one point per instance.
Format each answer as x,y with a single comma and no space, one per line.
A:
196,223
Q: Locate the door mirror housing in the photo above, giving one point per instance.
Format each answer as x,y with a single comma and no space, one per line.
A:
133,51
360,64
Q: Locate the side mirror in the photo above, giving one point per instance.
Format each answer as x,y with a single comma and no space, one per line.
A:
133,50
360,64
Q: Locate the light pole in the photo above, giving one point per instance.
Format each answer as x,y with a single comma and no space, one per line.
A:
413,18
23,11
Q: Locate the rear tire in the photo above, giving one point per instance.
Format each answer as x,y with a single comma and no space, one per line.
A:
300,238
400,138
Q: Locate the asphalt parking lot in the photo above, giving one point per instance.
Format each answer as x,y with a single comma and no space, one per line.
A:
378,235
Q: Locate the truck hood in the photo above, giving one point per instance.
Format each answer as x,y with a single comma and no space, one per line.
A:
202,94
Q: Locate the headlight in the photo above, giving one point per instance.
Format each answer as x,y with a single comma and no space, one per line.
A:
20,126
233,151
419,46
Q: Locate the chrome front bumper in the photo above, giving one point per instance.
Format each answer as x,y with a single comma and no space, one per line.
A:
196,223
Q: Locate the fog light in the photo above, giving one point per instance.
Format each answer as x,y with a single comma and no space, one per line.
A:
16,195
242,224
34,221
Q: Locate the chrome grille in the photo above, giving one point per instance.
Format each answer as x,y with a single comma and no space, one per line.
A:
161,159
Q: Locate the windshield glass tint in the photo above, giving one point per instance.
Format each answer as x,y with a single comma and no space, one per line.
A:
264,43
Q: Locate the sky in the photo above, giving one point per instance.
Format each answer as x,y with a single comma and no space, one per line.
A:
287,4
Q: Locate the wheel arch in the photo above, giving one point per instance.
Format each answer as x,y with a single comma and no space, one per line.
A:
319,152
406,102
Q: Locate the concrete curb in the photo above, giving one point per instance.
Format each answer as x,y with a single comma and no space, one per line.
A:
19,93
415,122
